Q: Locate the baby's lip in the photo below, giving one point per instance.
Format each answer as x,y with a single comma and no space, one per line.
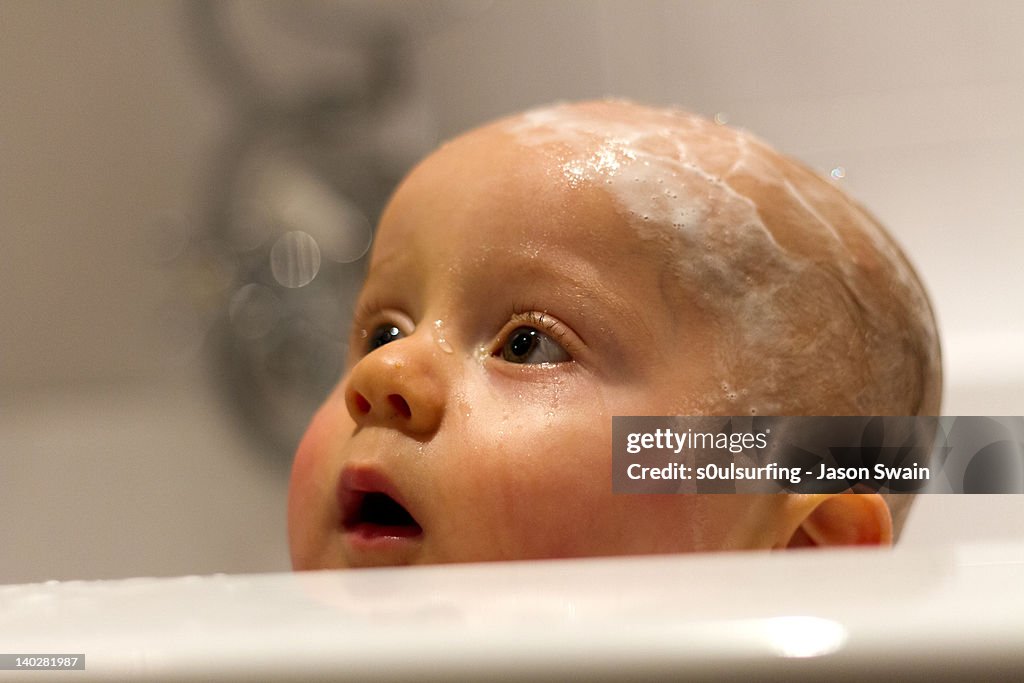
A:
371,507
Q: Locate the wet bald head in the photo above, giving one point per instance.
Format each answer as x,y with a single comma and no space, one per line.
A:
816,308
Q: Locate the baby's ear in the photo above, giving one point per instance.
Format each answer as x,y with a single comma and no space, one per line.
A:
841,520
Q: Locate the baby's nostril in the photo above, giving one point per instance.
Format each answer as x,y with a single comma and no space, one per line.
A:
362,405
400,405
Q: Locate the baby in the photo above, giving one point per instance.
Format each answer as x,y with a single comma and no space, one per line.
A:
541,274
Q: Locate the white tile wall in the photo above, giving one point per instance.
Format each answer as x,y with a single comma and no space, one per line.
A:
134,479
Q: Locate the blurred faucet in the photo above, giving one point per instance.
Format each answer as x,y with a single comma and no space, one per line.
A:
275,264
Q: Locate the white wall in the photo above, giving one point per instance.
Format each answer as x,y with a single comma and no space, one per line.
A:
116,457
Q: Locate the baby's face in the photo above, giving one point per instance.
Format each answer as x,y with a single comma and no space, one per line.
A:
540,275
508,313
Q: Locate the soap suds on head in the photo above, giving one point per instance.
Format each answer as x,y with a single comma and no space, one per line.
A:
797,274
645,165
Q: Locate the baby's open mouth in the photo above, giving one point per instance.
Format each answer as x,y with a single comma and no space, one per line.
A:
371,512
374,513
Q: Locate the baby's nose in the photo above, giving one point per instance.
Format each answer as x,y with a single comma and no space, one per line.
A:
398,385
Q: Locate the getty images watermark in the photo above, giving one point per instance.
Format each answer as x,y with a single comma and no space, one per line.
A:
744,454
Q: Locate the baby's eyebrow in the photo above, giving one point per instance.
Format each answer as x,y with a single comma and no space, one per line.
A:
383,261
573,278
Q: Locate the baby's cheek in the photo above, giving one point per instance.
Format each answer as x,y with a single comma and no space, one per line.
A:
555,509
307,459
310,504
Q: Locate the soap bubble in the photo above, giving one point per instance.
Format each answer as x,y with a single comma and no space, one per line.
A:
295,259
349,235
304,200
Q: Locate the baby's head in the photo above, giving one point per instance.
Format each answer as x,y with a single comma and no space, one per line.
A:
541,274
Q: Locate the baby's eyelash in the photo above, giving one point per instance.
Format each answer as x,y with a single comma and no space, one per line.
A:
541,320
369,315
530,315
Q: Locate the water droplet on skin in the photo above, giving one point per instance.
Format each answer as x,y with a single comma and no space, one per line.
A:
439,336
463,403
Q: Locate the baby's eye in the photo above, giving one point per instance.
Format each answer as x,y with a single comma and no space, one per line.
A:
529,345
381,336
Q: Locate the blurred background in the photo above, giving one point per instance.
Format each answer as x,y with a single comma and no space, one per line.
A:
187,191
